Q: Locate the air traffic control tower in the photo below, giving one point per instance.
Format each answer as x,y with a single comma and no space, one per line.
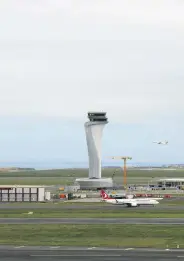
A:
94,130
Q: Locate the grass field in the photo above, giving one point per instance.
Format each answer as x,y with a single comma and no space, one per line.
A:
84,173
68,176
59,181
93,213
93,235
36,181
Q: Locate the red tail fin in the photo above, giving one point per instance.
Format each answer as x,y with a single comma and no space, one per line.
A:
104,194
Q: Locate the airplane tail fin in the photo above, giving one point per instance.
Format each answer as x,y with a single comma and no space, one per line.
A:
104,195
101,193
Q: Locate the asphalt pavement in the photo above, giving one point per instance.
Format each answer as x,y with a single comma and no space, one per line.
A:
31,206
21,253
143,221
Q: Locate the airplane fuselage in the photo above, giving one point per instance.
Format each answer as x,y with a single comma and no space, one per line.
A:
132,202
161,142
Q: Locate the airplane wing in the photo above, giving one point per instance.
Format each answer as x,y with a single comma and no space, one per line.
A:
119,202
163,142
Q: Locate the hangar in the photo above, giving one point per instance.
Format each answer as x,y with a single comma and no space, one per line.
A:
23,193
171,182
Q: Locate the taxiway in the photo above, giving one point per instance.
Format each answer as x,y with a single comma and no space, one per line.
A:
136,221
21,253
31,206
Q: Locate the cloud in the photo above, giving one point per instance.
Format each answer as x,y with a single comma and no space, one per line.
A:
63,58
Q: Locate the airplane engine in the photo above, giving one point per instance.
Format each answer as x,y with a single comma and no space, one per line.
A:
134,204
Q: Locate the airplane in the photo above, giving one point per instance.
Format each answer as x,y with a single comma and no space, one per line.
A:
128,202
161,142
104,195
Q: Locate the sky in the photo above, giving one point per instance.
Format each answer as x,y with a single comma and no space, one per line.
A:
61,59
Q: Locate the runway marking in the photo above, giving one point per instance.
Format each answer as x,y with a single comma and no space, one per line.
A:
91,247
180,256
76,255
129,248
55,247
19,246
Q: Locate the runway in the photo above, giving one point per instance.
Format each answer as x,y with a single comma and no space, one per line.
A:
136,221
22,253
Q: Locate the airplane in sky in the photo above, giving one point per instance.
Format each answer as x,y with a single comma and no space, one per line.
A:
135,202
161,142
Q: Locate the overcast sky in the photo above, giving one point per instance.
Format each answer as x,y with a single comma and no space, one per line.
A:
60,59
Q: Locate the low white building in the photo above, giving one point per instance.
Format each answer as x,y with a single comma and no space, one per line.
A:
171,182
23,193
90,184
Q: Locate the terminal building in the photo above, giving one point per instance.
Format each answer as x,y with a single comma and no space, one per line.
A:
23,193
171,182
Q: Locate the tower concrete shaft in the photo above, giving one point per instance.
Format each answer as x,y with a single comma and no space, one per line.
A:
94,131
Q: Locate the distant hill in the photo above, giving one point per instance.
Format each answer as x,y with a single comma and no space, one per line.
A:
14,169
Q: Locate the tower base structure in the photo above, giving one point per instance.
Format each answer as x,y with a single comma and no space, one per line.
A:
93,184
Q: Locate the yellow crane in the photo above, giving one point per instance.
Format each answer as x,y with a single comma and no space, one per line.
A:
125,168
